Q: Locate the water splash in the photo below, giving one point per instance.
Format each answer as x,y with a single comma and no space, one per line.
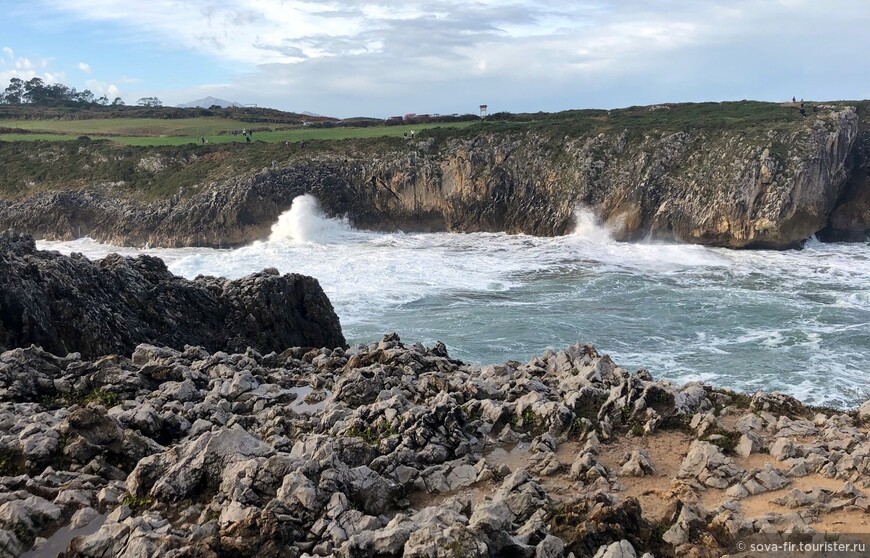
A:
305,222
588,227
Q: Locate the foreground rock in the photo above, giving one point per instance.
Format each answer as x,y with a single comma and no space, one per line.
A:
395,450
70,304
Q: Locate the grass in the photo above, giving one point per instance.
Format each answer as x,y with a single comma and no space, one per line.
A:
181,131
154,132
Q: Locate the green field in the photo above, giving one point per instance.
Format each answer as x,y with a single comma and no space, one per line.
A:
738,115
141,131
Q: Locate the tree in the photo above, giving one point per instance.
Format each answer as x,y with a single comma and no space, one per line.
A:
118,102
86,97
14,94
149,102
34,91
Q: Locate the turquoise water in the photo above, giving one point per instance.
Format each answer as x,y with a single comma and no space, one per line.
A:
793,321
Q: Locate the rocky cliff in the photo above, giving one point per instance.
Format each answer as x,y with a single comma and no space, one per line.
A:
70,304
737,185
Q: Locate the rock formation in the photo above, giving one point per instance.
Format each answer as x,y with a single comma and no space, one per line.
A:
770,185
70,304
395,450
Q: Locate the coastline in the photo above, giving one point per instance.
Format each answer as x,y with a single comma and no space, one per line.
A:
389,449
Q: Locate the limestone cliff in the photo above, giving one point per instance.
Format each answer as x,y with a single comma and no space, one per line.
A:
758,186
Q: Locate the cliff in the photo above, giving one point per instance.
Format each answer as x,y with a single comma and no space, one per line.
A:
751,176
70,304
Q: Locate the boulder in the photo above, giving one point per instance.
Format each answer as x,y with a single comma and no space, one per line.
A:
66,304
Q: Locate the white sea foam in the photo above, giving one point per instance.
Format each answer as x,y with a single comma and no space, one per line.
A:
795,321
588,227
305,222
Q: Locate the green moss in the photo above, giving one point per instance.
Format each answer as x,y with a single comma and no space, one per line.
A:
373,434
137,504
455,548
739,400
107,398
528,421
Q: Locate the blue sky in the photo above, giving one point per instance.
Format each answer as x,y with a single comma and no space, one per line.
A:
348,58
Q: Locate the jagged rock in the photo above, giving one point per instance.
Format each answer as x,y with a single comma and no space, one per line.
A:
177,474
373,493
621,549
782,449
636,464
685,528
748,444
66,304
29,515
777,404
706,463
404,467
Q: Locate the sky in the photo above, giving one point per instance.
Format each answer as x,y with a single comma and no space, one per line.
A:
345,58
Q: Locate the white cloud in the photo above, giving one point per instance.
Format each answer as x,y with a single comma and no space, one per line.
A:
85,67
100,88
438,55
8,52
23,64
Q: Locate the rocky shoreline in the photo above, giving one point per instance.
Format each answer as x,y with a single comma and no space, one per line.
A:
389,449
396,450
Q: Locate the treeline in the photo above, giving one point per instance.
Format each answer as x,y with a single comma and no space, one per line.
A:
38,93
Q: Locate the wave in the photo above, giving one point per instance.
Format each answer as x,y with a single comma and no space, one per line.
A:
305,222
588,227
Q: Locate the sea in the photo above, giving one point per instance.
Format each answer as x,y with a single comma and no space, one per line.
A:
795,321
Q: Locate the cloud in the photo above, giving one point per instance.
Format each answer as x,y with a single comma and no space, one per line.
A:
86,68
25,68
100,88
350,57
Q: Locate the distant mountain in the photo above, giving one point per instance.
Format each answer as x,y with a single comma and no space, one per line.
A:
209,102
306,113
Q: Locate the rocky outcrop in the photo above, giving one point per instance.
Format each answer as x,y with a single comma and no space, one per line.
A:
768,185
192,453
70,304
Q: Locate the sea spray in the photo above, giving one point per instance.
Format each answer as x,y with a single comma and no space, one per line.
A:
305,222
588,227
